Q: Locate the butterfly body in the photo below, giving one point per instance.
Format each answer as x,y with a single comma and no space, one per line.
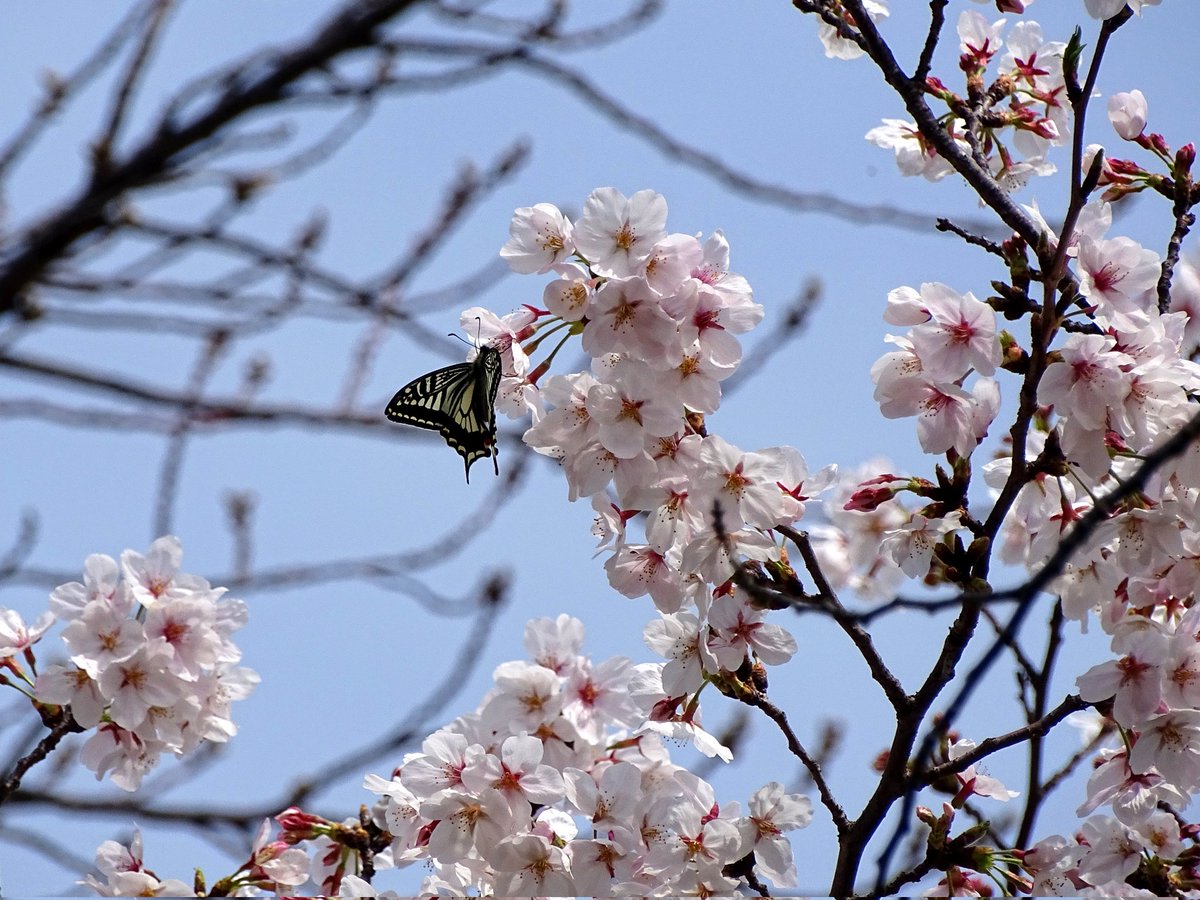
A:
458,402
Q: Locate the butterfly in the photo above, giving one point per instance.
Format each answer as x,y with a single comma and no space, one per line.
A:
457,401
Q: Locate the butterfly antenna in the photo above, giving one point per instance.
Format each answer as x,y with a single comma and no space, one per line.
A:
478,331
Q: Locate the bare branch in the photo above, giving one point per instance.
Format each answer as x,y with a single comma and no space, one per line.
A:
173,142
102,147
59,91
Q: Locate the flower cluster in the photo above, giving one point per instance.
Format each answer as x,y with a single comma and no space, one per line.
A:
550,788
152,661
658,314
553,786
1027,111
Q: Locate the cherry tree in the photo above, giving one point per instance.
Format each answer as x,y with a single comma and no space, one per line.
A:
1058,405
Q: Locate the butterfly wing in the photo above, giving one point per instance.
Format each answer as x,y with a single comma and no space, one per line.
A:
458,402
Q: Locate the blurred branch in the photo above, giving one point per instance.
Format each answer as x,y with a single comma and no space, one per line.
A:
51,848
172,143
22,545
172,463
468,190
102,148
820,202
787,328
59,91
390,571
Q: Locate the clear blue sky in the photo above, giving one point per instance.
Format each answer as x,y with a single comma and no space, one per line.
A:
343,662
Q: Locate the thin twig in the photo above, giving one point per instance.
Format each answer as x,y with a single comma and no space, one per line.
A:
779,717
102,147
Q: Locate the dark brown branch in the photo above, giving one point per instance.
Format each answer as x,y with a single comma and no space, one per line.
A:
974,239
779,717
173,142
1024,664
828,602
1181,209
937,20
893,781
987,747
60,726
59,91
102,148
1040,684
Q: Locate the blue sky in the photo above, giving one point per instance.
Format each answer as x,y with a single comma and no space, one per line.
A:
342,662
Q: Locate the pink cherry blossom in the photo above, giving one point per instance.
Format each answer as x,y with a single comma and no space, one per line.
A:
17,637
679,639
628,317
540,236
616,234
638,569
946,416
1087,381
740,630
773,812
1134,680
630,414
1170,743
671,261
556,643
102,636
570,296
596,697
139,682
960,335
1116,274
101,581
528,865
1113,850
527,696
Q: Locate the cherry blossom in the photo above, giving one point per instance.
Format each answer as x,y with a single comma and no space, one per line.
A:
17,637
163,682
960,335
1127,113
540,237
616,233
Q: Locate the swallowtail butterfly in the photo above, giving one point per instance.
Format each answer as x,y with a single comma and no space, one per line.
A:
457,401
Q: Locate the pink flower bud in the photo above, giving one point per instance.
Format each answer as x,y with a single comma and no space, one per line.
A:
1186,157
867,499
299,825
